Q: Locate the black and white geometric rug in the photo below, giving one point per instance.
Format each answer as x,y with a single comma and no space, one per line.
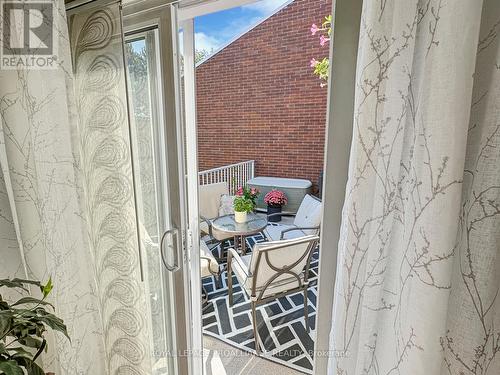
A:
282,331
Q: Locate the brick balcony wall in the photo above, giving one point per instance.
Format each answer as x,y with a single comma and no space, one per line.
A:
258,99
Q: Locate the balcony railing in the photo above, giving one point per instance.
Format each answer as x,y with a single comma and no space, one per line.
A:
234,174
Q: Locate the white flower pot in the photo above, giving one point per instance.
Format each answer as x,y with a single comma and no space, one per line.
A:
240,217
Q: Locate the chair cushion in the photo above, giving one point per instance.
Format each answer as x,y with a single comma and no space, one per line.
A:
226,205
209,198
280,254
240,267
308,214
204,227
207,268
273,232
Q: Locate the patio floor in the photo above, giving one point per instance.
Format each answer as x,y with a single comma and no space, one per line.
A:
223,359
281,323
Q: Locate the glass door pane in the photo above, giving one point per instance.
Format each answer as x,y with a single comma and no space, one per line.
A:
145,123
156,158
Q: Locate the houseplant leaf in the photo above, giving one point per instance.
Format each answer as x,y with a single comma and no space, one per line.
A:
47,288
5,322
31,342
25,300
18,283
54,322
31,367
25,322
11,368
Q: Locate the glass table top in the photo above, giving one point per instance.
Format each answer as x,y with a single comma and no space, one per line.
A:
254,224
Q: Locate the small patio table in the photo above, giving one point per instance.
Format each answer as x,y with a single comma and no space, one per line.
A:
255,224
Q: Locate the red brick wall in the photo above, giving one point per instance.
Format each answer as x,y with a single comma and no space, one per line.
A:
257,98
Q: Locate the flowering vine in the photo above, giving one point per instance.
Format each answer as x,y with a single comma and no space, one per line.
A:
321,66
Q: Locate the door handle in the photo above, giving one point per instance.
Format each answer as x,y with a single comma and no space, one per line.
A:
175,233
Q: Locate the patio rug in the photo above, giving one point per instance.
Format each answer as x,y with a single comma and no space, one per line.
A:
284,338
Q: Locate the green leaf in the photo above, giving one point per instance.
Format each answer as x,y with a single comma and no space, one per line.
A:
34,369
55,323
5,322
20,352
46,289
31,300
11,368
40,350
31,342
18,283
31,367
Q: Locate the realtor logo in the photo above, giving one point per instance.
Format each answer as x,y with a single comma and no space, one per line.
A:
27,34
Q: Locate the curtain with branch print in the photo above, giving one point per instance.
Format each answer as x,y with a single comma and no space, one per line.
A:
42,226
419,258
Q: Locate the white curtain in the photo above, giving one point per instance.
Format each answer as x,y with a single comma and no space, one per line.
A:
66,196
419,258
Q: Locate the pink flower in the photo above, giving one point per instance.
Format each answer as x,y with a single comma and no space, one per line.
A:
314,62
275,198
239,192
323,40
314,29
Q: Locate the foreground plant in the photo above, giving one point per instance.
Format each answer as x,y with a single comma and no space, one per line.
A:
22,328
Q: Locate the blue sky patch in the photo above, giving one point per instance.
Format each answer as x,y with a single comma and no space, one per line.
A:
217,29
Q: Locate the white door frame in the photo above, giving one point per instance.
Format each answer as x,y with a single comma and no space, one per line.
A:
187,11
192,182
339,126
162,16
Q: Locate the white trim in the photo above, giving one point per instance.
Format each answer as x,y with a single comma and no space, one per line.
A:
193,232
251,27
189,9
339,129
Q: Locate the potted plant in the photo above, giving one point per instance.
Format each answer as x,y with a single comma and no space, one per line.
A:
275,200
244,202
22,329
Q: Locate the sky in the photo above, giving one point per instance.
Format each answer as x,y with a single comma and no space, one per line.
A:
215,30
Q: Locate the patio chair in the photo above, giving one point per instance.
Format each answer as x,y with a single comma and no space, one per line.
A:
273,270
210,199
209,267
306,221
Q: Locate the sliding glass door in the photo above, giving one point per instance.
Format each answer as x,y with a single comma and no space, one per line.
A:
153,90
152,212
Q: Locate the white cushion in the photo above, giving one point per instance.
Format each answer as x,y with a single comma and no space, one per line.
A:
240,267
204,227
273,232
226,205
207,266
209,199
245,267
308,214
